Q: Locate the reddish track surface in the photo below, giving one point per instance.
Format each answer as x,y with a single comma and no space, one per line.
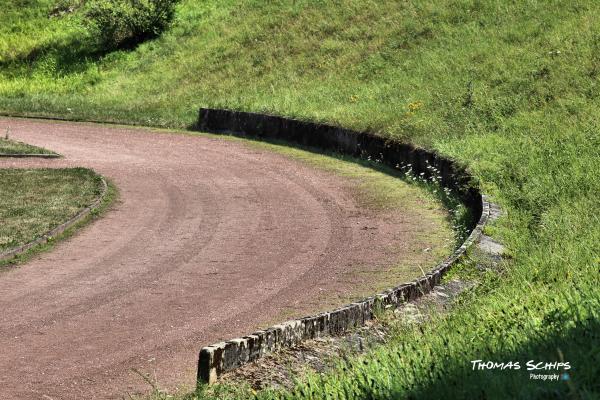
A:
210,239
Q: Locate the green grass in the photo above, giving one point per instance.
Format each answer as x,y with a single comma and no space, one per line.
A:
35,201
8,146
509,88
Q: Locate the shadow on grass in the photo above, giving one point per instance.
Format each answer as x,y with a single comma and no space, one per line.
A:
579,346
62,59
70,57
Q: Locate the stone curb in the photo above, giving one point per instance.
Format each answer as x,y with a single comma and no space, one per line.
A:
59,229
30,155
218,358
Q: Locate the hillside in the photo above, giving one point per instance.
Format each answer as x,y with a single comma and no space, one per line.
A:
510,89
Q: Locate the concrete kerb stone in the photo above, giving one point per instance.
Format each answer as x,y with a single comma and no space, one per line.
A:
216,359
7,155
8,254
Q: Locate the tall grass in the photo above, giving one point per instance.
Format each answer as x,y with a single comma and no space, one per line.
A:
510,88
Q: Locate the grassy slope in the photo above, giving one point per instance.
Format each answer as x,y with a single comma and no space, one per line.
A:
36,201
509,88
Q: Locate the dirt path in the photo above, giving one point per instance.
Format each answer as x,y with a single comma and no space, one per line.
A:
210,239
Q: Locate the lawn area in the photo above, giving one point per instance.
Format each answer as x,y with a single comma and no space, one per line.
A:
8,146
510,89
32,202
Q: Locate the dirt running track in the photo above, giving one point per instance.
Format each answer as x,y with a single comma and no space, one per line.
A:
210,239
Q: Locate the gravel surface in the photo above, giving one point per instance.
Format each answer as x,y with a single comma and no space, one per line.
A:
210,239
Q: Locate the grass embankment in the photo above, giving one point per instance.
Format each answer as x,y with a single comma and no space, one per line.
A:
511,89
32,202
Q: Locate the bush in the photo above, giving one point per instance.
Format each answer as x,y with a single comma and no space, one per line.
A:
124,23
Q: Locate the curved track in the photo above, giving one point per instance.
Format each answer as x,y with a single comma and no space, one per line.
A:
209,239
